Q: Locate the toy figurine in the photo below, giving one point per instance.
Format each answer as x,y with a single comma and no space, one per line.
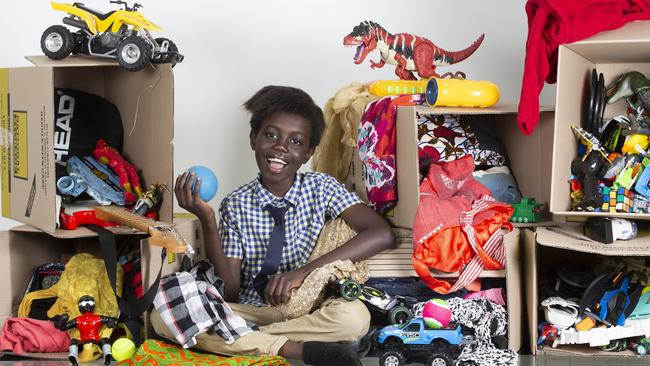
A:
589,168
409,52
150,199
126,171
635,88
89,325
119,34
548,334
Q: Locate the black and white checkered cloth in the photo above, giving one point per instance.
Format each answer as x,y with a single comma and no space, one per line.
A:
190,303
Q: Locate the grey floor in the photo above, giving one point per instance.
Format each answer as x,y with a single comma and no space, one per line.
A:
371,361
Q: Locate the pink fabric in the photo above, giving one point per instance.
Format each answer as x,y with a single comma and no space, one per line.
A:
555,22
494,294
24,335
376,142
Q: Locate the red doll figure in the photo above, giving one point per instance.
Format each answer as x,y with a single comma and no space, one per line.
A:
89,325
126,171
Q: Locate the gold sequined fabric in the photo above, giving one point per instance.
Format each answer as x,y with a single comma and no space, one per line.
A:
311,293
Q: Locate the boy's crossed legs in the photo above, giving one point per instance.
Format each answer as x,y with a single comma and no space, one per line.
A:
335,320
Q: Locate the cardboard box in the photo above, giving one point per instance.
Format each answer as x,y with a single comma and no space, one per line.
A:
549,246
24,248
528,155
145,100
398,263
611,53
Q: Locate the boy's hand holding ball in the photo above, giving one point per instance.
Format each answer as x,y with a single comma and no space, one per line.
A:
194,188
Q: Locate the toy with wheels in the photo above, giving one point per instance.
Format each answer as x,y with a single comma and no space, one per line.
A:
414,341
350,289
122,34
439,360
392,358
381,305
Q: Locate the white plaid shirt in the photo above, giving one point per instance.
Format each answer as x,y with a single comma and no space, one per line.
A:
245,224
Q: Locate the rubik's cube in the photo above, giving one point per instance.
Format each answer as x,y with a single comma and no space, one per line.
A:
617,200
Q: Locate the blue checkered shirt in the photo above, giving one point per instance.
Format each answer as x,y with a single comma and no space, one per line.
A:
245,224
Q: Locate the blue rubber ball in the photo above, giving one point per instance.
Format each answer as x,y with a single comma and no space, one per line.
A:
209,183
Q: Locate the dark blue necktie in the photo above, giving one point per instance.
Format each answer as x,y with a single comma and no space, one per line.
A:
273,251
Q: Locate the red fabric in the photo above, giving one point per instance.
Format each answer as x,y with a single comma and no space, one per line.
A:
448,194
26,335
555,22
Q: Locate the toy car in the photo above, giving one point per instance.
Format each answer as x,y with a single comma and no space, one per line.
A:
380,304
120,34
414,341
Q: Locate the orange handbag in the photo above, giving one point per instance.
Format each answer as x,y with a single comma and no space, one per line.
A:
457,226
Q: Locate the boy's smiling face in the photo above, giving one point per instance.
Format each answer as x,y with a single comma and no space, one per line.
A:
281,147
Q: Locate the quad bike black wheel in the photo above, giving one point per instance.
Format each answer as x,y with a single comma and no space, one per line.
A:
134,53
350,290
170,48
439,360
57,42
399,315
392,358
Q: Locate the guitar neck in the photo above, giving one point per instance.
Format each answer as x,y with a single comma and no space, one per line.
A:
125,217
162,234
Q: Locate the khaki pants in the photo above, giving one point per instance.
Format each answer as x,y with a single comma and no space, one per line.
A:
335,320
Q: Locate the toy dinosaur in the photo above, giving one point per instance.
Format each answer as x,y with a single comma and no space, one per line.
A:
409,52
635,88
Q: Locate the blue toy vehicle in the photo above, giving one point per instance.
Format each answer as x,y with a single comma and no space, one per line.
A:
413,340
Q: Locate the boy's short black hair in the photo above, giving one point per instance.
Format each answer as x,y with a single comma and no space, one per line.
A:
272,99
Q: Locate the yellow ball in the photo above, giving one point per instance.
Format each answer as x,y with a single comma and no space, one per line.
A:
123,349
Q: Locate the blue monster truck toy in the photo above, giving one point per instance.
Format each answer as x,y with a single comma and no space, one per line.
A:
414,341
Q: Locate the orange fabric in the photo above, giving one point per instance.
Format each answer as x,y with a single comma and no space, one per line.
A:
439,239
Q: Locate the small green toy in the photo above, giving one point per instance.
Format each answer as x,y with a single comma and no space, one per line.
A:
527,210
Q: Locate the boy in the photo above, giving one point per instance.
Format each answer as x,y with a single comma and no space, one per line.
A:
286,207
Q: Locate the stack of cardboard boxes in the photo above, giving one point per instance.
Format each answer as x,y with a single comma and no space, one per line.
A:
611,53
145,100
529,159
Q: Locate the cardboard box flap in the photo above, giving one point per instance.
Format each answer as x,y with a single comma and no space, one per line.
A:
513,289
496,109
71,61
570,237
581,350
638,31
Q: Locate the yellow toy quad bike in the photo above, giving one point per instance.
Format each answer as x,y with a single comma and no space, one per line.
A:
120,34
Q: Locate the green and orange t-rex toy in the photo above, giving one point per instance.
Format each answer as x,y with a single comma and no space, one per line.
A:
409,52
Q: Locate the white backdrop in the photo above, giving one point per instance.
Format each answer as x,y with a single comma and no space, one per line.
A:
232,48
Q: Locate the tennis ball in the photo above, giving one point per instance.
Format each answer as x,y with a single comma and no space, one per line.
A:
123,349
436,313
209,183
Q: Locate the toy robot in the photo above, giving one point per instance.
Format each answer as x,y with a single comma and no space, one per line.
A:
88,324
125,170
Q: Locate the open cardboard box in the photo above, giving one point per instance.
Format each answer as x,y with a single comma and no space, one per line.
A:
529,156
555,245
398,263
145,100
24,248
611,53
